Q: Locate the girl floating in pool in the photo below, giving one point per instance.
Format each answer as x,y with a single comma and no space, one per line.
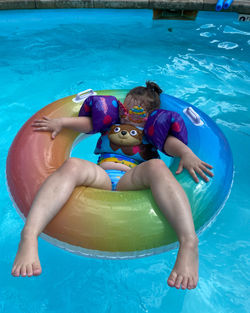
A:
138,167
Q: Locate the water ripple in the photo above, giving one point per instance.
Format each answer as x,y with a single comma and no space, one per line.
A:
232,30
243,128
207,26
207,34
228,45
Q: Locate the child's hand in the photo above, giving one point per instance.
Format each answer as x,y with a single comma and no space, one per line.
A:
195,166
46,124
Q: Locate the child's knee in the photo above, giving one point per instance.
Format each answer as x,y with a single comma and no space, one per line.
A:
155,167
72,166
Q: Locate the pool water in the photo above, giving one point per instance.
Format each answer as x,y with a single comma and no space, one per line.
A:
49,54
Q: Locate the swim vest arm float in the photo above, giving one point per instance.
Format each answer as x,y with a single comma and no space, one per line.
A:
104,111
163,123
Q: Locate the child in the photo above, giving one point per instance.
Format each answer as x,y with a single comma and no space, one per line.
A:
148,172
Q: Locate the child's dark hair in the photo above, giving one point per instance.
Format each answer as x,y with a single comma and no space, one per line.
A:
148,96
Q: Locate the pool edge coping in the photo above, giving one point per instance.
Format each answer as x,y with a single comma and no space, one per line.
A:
240,6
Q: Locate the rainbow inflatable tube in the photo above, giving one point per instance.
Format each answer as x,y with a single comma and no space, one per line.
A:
106,224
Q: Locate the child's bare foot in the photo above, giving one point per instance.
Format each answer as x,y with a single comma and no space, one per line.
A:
185,271
27,261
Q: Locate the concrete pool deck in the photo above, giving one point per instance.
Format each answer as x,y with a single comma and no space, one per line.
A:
239,6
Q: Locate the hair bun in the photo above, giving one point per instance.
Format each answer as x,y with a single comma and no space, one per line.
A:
153,87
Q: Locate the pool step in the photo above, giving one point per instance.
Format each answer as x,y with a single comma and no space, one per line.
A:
161,14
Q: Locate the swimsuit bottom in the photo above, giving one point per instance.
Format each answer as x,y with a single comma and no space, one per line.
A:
115,176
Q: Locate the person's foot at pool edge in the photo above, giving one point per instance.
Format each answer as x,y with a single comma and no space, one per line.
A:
27,261
185,271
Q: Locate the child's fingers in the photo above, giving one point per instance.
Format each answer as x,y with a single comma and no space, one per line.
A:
44,120
207,165
38,123
202,175
192,173
207,171
53,135
41,129
180,168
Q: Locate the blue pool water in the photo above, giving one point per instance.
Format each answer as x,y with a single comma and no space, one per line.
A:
49,54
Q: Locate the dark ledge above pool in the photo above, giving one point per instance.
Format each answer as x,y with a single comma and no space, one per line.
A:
239,6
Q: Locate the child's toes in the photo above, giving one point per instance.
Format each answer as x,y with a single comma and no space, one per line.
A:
195,282
36,269
178,281
190,283
29,270
23,270
184,283
13,269
172,278
16,272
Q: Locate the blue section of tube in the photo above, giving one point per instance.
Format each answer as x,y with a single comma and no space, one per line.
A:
227,4
219,5
209,143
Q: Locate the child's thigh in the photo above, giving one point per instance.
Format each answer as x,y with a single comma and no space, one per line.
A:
86,173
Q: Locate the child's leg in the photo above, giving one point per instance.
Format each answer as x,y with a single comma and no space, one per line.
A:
172,200
50,198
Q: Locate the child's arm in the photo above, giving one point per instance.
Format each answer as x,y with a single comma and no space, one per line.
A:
189,160
81,124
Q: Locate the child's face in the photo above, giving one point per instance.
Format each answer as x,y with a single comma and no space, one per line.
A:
133,112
